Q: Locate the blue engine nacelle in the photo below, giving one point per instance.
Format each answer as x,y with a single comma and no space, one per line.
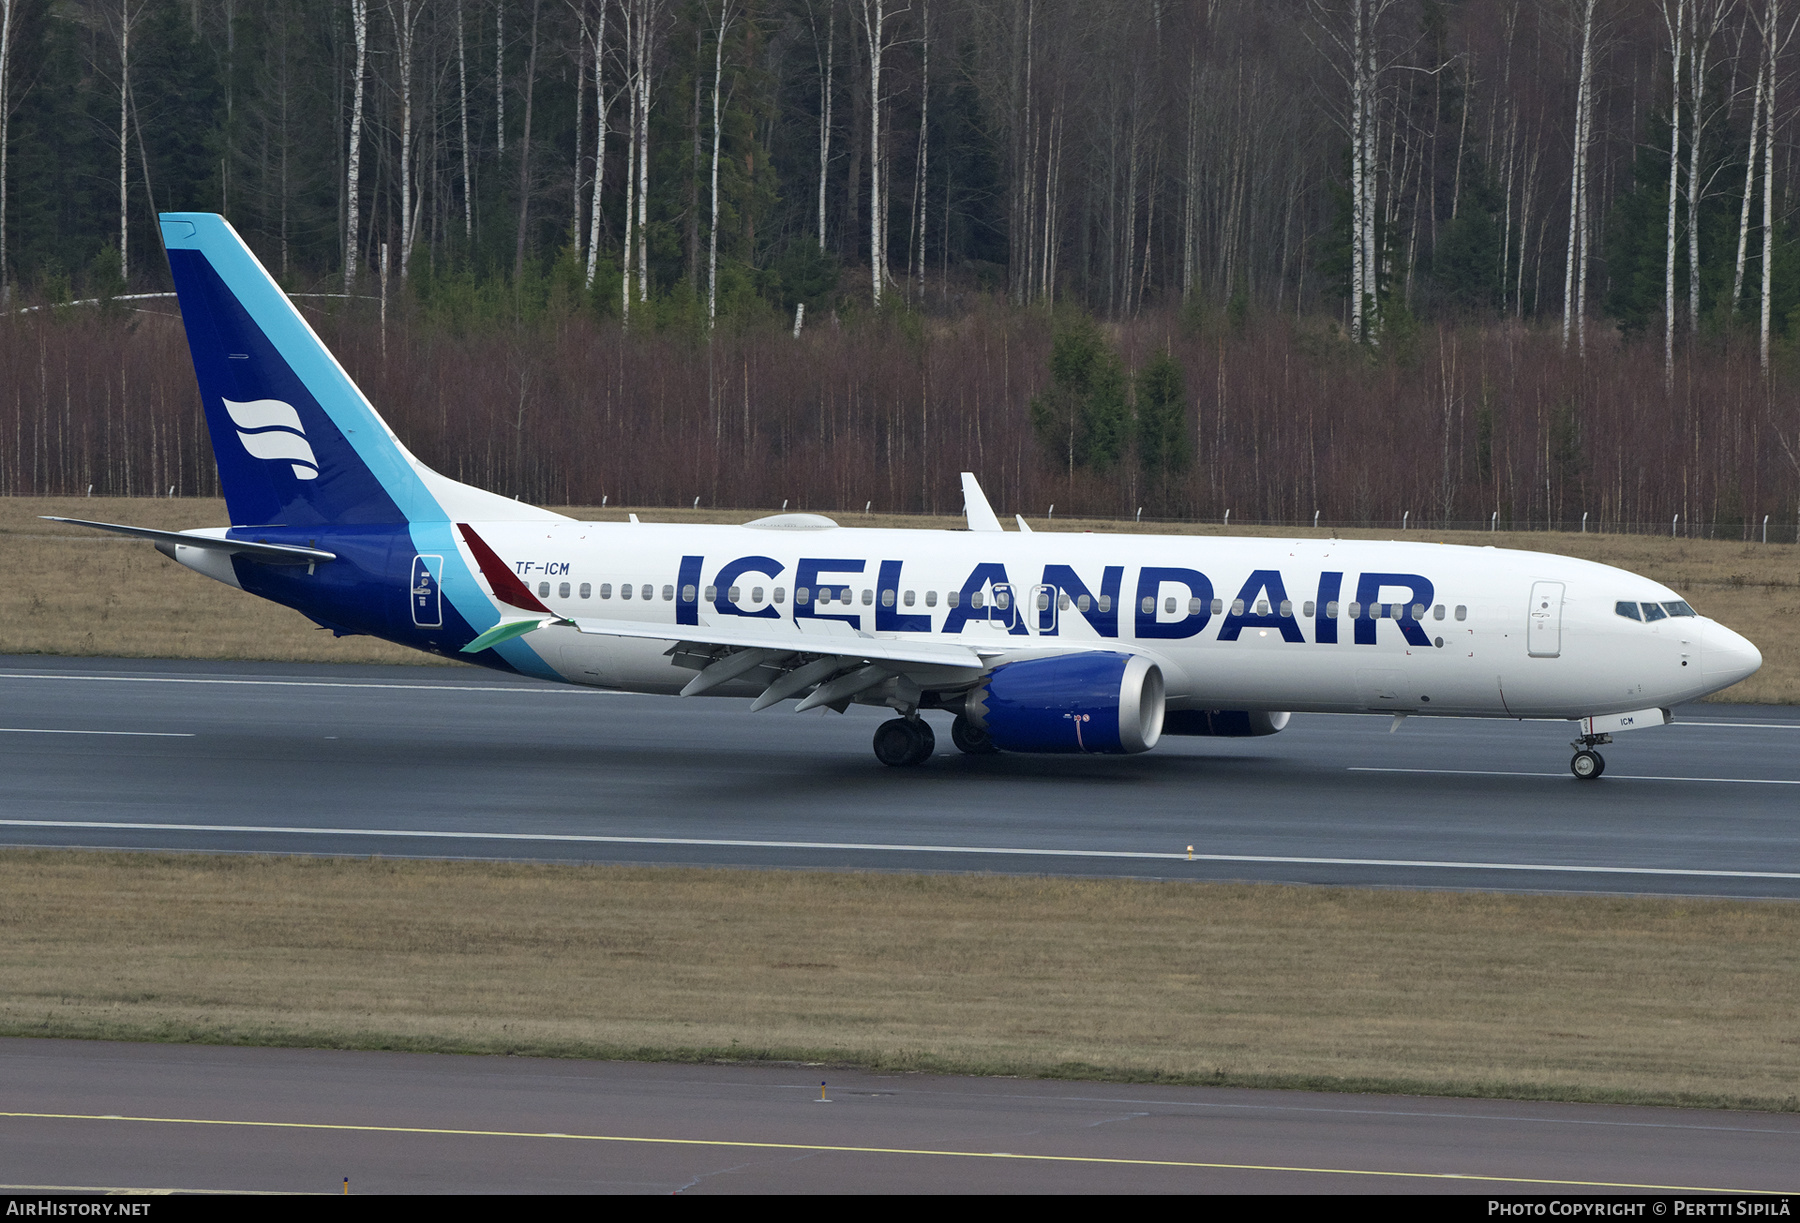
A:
1071,703
1223,723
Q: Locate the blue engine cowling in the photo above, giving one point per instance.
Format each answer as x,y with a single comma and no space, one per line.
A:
1223,723
1071,703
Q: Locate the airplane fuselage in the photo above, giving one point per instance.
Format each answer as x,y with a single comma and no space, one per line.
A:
1235,623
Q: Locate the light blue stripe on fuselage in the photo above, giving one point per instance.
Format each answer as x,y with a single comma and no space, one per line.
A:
438,538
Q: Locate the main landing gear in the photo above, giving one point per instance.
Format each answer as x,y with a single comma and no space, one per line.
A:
904,742
1587,764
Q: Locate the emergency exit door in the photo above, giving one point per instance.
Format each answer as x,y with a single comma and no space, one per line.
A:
427,593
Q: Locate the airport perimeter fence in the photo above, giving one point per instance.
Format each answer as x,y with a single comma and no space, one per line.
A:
1770,531
1760,530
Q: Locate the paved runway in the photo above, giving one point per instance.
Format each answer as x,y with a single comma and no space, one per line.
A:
439,761
97,1115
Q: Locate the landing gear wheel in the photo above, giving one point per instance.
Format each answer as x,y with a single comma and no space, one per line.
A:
968,738
1587,764
904,742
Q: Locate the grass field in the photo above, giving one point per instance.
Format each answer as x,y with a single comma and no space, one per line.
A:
71,591
1673,1001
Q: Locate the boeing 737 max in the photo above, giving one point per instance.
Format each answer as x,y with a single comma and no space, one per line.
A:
1035,642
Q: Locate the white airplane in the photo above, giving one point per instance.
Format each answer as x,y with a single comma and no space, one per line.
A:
1035,642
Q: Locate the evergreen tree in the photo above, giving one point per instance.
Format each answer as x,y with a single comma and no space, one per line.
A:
1085,418
1162,433
1466,265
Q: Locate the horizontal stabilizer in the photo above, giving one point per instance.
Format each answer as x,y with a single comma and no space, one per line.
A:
270,554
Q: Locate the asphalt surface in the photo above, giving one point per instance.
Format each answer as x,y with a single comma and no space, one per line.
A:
93,1115
458,762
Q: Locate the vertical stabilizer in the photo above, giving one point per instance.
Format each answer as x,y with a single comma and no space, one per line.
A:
297,443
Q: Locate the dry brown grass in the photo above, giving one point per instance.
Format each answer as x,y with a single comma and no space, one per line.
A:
1571,997
72,591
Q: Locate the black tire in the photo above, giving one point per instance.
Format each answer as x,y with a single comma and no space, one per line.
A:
1587,765
897,743
927,742
969,739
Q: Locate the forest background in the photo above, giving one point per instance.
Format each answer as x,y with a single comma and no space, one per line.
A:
1525,263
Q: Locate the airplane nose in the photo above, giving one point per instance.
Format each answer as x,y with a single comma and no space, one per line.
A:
1727,657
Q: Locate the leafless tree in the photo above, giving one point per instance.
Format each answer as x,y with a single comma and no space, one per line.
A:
359,26
8,8
405,20
1575,267
602,110
462,109
727,15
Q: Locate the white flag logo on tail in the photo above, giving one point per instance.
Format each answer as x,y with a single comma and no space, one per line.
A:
271,429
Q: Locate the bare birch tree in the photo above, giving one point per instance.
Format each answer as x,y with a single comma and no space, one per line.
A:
462,106
650,13
602,109
875,18
406,25
1676,21
1708,17
1774,40
727,15
500,77
1575,267
1355,37
7,9
916,237
128,18
629,10
825,56
525,150
577,179
1743,242
641,17
359,27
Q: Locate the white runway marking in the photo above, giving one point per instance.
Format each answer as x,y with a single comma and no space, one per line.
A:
1735,781
319,683
1745,725
146,734
877,847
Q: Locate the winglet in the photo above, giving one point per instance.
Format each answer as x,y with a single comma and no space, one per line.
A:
975,503
506,630
506,584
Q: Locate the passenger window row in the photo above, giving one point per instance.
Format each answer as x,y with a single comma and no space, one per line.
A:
825,594
1083,603
1374,611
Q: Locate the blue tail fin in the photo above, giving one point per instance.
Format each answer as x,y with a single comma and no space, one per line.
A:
296,442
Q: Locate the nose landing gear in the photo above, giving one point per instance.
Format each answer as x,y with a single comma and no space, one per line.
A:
1587,764
904,742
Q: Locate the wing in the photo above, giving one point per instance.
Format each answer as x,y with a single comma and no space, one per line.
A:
822,662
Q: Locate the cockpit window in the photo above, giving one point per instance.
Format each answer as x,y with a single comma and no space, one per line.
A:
1678,608
1654,611
1628,610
